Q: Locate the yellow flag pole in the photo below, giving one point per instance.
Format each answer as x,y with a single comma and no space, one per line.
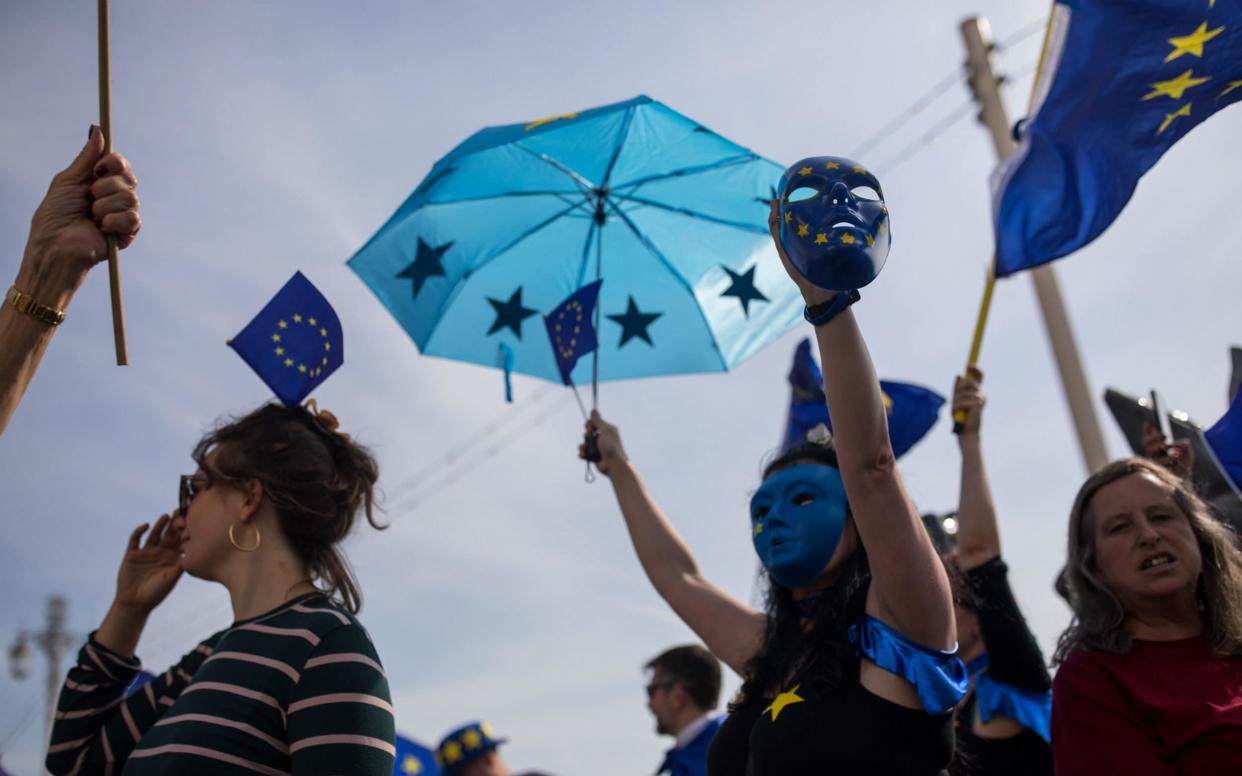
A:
976,344
105,124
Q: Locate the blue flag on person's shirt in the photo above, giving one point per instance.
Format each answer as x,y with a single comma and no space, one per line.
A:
294,342
1121,82
414,759
142,678
912,409
1225,441
571,329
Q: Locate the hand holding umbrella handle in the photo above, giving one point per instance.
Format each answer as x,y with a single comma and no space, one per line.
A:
590,441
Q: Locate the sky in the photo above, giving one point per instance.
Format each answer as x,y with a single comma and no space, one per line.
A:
270,136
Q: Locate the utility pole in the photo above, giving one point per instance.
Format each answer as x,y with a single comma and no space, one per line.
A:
985,83
53,640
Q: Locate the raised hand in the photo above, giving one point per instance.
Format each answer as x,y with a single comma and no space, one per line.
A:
149,570
968,397
1176,456
608,440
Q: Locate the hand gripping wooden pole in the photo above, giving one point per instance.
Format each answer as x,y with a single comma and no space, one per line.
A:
105,124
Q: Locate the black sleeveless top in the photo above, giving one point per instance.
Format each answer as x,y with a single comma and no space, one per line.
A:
847,731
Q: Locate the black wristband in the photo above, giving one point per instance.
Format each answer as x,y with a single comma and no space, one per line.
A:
818,315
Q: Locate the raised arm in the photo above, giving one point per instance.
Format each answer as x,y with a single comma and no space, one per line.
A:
730,629
93,196
978,538
909,589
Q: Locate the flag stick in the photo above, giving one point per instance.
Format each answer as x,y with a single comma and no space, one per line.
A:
976,344
105,124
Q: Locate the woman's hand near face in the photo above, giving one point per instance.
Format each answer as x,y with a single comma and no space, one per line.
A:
1178,457
148,573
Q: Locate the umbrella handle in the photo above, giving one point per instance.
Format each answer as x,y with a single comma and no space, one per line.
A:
591,442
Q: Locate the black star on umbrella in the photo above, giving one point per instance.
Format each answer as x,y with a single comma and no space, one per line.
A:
510,314
634,324
426,263
743,287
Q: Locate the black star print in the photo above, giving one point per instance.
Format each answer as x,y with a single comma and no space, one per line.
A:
510,314
634,324
743,287
426,264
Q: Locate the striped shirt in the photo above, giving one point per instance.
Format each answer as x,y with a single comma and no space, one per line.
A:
299,690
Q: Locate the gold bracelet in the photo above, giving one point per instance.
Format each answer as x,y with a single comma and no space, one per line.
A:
25,303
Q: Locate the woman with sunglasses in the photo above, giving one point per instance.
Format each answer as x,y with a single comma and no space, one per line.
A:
294,685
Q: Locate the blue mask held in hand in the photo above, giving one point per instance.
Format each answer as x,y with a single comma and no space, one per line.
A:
834,223
797,518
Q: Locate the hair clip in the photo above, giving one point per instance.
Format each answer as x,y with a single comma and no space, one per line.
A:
819,435
325,419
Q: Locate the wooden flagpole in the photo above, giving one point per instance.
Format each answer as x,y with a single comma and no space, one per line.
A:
105,124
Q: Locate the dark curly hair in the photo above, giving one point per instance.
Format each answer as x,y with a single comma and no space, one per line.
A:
811,634
317,479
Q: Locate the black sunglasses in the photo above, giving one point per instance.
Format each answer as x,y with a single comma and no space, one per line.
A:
191,486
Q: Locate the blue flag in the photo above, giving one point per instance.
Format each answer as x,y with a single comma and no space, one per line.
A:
1225,441
142,678
414,759
571,328
294,342
1121,82
912,409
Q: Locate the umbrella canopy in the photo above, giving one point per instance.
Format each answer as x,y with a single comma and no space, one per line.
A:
672,216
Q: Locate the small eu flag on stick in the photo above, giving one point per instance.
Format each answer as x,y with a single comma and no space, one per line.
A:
571,330
294,342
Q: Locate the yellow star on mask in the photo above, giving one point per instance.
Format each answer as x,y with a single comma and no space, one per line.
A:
821,238
848,239
411,766
781,701
788,217
472,739
870,241
1169,118
758,528
860,169
804,170
1193,43
452,752
803,230
487,729
831,166
1176,87
1232,85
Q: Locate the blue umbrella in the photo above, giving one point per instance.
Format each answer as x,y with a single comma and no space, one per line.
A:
671,215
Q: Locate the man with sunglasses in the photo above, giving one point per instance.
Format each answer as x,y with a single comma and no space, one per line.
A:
683,690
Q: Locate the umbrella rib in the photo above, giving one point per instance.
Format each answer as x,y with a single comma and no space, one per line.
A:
685,283
616,152
474,270
584,185
692,214
695,170
503,195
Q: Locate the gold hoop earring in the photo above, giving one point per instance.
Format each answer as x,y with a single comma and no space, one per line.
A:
233,539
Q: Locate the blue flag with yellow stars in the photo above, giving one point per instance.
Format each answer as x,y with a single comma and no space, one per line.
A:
912,409
571,328
1225,441
294,342
414,759
1121,81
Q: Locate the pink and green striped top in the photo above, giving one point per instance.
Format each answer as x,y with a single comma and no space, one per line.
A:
299,690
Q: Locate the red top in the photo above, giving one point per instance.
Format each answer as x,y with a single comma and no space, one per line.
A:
1167,707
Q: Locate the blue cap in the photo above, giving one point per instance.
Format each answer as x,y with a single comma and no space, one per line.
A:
465,745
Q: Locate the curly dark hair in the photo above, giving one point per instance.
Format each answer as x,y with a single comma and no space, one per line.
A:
813,633
317,479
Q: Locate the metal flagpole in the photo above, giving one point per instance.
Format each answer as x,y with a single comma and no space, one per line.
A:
977,34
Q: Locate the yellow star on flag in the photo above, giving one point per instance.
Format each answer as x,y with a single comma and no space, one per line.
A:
1232,85
323,332
312,321
411,766
283,324
803,230
301,367
821,238
1176,87
327,346
280,351
275,338
472,739
1193,43
452,752
1169,118
297,318
288,362
781,701
848,239
804,170
832,166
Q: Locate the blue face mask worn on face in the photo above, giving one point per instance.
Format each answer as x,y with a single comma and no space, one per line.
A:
797,518
834,223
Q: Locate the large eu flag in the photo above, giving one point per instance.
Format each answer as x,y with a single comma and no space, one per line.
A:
1225,441
571,328
912,409
1121,82
414,759
294,342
